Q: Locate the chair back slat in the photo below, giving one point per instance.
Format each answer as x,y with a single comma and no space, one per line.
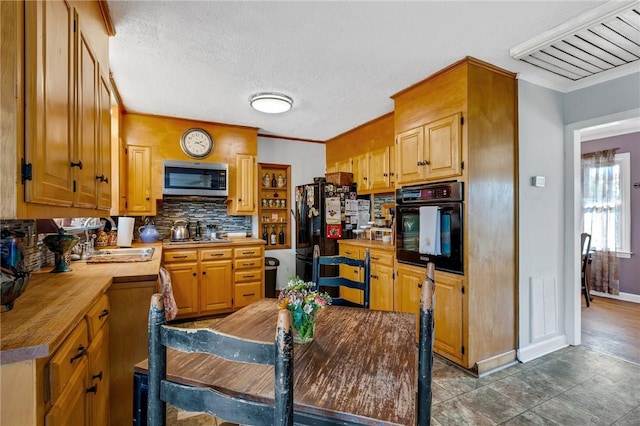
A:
202,399
206,340
337,281
425,350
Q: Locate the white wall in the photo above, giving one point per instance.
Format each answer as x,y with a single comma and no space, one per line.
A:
549,291
307,161
541,220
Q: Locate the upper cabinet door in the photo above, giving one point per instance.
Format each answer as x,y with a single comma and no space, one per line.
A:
245,199
379,169
139,180
443,146
410,156
87,116
49,115
103,177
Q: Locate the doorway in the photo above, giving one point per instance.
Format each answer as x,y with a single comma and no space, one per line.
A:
574,134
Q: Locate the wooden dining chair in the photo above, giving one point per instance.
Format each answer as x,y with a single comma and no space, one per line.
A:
585,246
425,348
337,281
203,399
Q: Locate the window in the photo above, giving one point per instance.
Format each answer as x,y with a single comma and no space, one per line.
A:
614,215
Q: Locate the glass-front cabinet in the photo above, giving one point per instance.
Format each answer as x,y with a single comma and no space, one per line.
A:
274,205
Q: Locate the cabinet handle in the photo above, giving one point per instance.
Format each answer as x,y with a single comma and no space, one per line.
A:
93,389
106,180
248,252
239,200
391,174
204,272
216,254
195,275
419,285
384,174
97,376
248,294
103,314
348,252
79,354
375,277
78,164
180,257
248,264
248,276
100,178
375,258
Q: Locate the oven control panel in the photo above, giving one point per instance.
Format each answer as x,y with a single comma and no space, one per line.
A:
450,191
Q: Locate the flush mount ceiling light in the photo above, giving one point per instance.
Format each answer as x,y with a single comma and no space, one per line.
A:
271,103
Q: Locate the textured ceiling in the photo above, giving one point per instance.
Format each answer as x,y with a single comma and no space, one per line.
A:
339,61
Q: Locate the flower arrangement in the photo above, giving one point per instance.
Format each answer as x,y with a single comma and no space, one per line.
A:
303,301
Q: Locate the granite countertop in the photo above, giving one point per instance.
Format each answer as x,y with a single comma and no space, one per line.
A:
53,304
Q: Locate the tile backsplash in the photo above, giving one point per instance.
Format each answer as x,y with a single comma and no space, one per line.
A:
192,209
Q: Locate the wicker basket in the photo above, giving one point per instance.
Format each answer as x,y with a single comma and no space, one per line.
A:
339,178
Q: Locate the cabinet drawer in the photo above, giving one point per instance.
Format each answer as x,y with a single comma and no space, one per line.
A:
97,316
180,256
216,254
248,275
67,359
248,263
381,257
253,251
351,251
247,293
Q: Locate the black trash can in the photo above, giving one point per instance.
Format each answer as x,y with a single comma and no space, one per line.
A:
270,271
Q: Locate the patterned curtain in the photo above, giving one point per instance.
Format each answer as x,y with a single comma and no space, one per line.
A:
601,211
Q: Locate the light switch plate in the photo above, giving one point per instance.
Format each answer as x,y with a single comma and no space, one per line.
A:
537,181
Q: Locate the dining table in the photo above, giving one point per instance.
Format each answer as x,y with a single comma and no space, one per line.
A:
360,368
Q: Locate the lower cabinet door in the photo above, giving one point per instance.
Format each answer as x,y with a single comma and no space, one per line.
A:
448,317
215,286
184,279
70,407
98,388
381,296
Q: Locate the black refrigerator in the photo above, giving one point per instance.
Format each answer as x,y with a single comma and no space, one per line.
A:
311,221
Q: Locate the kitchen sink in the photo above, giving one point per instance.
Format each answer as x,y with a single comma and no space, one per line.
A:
121,255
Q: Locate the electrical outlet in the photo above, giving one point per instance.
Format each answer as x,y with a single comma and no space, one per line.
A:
537,181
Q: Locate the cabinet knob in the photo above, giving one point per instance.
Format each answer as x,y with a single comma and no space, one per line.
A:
97,376
195,275
78,164
204,273
93,389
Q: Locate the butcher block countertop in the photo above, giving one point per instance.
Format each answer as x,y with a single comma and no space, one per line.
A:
372,244
53,304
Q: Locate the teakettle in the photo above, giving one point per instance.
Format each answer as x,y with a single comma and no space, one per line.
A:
180,230
148,233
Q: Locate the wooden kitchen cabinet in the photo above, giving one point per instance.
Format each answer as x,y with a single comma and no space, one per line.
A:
381,169
185,281
448,308
209,281
98,380
248,280
381,276
71,407
139,200
360,170
216,278
430,152
243,200
463,121
104,178
65,51
274,205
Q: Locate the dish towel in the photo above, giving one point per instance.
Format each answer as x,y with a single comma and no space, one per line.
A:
429,242
170,308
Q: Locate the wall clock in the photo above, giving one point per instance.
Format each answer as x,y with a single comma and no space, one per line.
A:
196,143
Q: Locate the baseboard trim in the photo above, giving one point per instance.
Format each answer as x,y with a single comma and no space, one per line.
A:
536,350
627,297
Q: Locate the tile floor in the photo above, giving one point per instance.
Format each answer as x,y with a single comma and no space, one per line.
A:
572,386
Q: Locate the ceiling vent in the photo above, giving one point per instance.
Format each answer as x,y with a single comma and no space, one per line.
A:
604,38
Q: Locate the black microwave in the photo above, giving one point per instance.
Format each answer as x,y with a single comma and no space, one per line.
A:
195,178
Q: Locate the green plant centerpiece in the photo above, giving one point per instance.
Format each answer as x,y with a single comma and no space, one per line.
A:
303,300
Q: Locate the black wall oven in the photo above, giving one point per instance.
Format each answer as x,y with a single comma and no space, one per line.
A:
438,238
